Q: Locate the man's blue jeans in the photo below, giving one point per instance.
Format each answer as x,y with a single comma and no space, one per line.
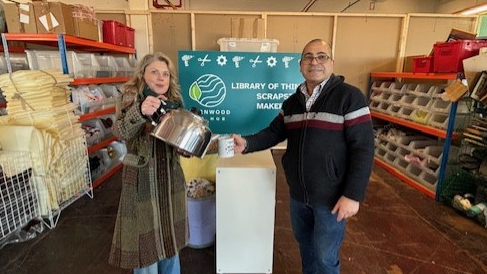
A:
319,236
165,266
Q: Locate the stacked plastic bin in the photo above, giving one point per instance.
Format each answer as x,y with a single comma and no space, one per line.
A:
420,103
417,156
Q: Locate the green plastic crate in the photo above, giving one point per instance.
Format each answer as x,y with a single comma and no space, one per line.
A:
460,182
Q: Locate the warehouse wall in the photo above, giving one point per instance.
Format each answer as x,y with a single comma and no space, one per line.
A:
453,6
380,6
359,48
99,4
364,6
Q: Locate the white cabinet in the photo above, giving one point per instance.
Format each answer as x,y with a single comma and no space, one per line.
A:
245,206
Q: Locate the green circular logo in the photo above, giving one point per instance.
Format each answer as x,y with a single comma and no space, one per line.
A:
208,90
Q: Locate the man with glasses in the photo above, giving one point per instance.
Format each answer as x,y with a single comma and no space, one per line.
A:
328,160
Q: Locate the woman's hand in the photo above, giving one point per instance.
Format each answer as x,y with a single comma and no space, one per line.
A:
151,104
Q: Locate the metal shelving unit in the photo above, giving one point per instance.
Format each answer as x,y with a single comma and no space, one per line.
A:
62,43
448,135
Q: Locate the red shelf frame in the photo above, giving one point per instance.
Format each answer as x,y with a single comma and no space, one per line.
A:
430,193
423,128
14,49
107,175
104,80
410,75
72,42
96,114
101,144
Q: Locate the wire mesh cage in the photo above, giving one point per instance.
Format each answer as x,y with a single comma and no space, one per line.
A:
73,170
18,196
460,182
67,179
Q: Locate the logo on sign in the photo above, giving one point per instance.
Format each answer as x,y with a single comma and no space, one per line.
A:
208,90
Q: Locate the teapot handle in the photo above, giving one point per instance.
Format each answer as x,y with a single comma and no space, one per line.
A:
161,110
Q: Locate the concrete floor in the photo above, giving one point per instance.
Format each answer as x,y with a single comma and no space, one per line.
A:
398,230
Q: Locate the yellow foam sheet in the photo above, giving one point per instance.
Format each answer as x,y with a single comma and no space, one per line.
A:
200,167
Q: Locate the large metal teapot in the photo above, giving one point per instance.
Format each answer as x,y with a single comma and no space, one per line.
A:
185,130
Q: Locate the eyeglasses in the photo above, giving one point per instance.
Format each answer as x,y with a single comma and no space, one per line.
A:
157,73
320,59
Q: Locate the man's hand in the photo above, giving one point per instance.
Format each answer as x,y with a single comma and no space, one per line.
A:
240,143
346,208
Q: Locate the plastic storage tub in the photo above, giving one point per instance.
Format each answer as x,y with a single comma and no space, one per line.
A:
46,59
124,66
448,56
202,221
80,65
248,44
423,64
113,32
108,66
129,37
17,62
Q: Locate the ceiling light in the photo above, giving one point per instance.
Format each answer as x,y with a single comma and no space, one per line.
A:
475,10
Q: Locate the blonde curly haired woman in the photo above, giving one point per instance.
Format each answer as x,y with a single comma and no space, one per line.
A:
151,226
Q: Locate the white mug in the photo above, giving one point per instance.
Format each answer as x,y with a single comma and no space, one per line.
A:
225,147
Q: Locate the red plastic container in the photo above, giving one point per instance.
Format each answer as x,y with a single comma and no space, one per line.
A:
113,32
423,64
448,56
129,37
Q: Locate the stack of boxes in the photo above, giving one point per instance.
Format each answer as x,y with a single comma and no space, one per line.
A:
51,17
78,20
447,57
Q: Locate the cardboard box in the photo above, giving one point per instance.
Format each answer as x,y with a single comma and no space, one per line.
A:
473,68
20,18
54,17
408,63
85,22
458,34
247,28
86,28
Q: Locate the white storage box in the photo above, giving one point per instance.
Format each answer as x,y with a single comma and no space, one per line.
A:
108,66
107,122
248,44
3,65
17,62
96,124
48,59
125,66
110,90
85,65
80,65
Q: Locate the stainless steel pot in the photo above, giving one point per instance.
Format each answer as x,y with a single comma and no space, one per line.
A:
185,130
